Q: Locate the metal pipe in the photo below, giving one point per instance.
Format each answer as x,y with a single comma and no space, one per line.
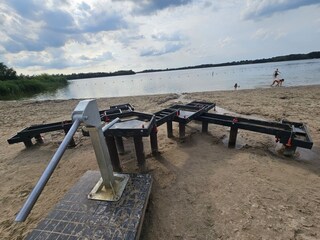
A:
34,195
110,124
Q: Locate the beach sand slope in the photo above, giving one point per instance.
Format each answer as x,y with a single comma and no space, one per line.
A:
202,189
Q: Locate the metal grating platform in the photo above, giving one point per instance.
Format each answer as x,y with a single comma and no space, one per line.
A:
76,217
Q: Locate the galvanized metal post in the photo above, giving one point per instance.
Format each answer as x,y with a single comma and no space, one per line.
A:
102,155
111,186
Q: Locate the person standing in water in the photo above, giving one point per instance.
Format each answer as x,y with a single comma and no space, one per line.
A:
236,86
276,74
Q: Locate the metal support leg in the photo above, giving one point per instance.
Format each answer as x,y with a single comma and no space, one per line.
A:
72,143
111,144
182,130
233,137
289,151
154,141
138,144
205,127
28,143
169,129
39,139
120,146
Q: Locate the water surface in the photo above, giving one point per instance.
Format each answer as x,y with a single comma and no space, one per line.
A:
295,73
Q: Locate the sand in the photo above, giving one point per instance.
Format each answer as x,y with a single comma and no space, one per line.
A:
202,189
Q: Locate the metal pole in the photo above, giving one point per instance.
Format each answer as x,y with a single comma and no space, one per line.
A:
34,195
102,153
110,124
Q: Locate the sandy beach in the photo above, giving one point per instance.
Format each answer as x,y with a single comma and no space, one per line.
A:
201,189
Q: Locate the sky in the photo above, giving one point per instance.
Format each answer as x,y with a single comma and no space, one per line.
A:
73,36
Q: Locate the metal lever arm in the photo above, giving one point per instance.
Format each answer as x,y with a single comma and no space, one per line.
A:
34,195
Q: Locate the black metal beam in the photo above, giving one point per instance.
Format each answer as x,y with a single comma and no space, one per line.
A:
164,116
35,131
195,108
283,131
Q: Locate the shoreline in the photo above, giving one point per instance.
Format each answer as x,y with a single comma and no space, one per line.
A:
252,191
156,94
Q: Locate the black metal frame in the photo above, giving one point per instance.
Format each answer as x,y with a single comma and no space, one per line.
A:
123,107
130,132
35,131
202,104
291,134
197,107
286,132
165,115
115,109
113,137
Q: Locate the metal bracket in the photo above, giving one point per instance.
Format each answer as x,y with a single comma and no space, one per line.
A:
113,193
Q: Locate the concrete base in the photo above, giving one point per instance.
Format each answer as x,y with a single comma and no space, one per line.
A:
77,217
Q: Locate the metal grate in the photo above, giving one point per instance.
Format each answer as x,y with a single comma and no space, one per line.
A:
76,217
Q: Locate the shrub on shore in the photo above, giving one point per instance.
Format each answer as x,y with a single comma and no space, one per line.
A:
27,86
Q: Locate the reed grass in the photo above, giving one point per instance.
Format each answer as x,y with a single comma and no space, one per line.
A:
29,86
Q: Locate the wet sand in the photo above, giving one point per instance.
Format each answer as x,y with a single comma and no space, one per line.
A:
202,189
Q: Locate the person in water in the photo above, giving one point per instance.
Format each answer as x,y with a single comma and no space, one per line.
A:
276,73
278,82
236,86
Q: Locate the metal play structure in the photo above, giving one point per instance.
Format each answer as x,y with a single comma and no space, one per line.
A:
109,204
102,205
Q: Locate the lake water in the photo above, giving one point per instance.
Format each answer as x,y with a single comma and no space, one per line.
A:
295,73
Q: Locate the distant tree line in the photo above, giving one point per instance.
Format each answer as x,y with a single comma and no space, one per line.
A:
291,57
97,74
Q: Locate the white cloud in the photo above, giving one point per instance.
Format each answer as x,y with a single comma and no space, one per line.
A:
257,9
88,36
265,34
225,42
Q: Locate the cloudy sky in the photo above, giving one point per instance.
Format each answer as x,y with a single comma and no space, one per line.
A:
65,36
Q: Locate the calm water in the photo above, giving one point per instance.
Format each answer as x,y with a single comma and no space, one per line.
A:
295,73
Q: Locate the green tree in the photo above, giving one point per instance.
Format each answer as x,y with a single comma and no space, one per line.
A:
7,73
